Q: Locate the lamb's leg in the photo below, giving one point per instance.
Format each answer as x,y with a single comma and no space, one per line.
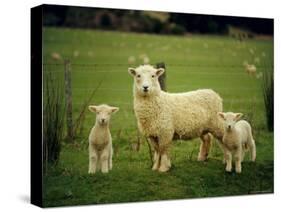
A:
104,160
204,147
253,150
243,154
110,158
237,157
228,158
93,159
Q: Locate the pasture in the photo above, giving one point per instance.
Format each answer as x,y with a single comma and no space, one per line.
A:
192,62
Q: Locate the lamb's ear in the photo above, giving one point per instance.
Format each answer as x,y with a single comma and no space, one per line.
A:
221,114
160,71
114,109
238,116
92,108
132,71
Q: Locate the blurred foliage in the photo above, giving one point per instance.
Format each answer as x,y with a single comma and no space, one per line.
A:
268,96
149,21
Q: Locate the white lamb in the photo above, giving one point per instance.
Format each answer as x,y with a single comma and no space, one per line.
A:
164,116
237,139
100,141
250,69
56,56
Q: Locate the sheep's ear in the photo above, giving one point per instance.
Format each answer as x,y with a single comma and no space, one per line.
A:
238,116
114,109
93,108
160,71
132,71
220,114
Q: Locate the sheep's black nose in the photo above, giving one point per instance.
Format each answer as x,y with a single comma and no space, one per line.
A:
102,120
229,126
145,88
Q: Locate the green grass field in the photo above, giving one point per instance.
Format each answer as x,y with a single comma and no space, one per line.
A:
192,62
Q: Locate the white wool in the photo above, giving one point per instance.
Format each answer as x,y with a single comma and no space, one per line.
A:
131,60
56,56
100,141
237,139
76,53
164,116
146,60
250,69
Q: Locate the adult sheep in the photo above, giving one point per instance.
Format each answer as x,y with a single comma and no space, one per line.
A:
163,117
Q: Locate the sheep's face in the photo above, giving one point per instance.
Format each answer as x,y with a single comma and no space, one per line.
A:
103,113
230,119
146,79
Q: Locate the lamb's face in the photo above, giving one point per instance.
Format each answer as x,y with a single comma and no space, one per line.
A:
146,79
103,113
230,119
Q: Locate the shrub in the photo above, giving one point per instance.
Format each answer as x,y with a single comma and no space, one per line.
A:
177,29
53,120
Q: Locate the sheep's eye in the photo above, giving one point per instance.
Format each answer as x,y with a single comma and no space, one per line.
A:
138,76
153,76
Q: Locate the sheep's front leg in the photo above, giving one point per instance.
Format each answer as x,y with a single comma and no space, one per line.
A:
228,158
238,158
204,147
156,155
93,160
156,160
104,159
165,162
164,147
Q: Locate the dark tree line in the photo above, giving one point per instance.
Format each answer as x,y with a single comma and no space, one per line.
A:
138,21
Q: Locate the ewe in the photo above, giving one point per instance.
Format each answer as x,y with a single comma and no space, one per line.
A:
164,116
237,139
100,141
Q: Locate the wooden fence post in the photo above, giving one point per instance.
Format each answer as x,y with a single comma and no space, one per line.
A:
68,99
162,78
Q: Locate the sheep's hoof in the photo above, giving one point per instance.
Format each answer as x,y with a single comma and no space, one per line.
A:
201,158
238,171
154,168
228,169
91,172
163,168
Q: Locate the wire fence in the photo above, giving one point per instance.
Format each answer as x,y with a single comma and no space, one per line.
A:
83,69
83,74
169,65
86,70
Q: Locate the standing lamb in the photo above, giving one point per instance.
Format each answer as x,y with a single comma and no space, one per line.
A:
100,141
163,117
250,69
237,139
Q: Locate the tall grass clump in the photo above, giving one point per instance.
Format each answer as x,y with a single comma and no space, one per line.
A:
268,97
53,120
79,123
